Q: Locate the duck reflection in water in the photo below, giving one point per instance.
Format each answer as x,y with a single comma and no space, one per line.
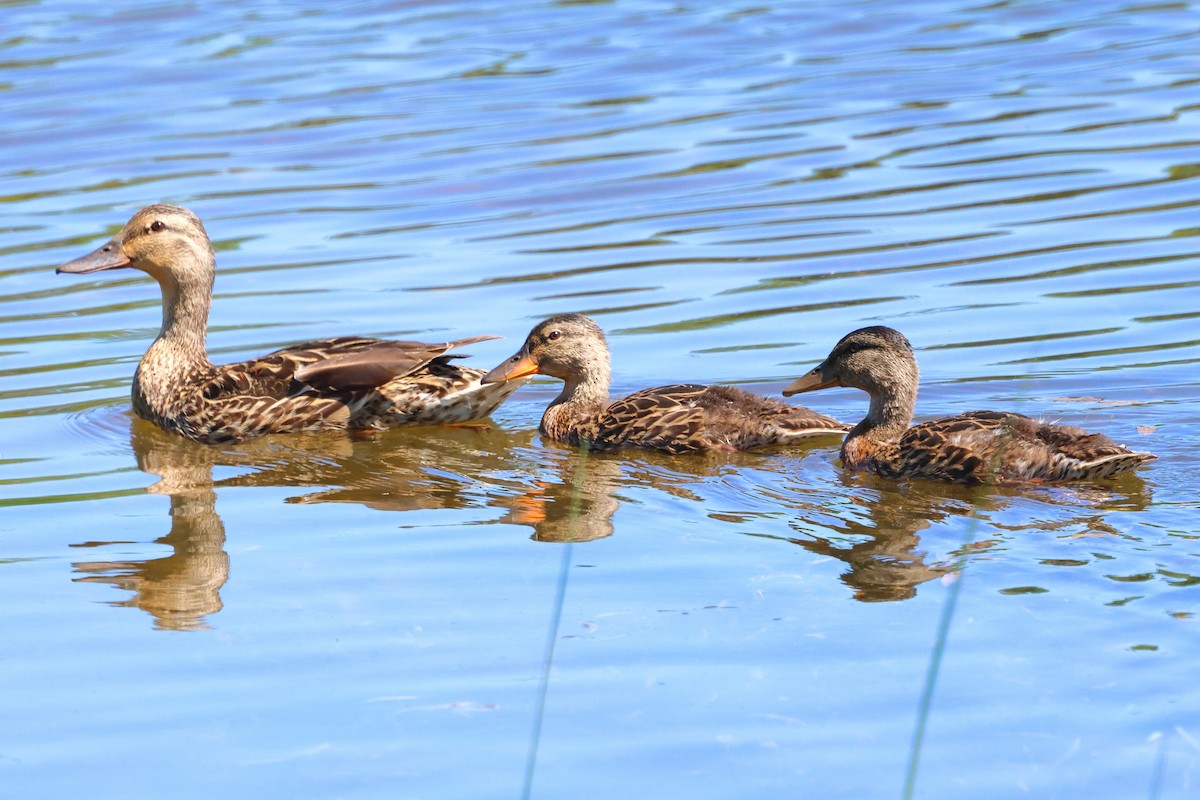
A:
181,589
424,467
577,491
572,501
878,535
563,494
409,469
878,539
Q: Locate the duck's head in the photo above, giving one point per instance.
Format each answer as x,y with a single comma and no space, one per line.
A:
568,346
167,242
878,360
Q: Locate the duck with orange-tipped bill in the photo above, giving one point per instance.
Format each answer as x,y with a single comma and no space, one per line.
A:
679,418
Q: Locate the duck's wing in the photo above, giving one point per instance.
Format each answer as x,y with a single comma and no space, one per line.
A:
995,445
684,417
375,364
1073,453
664,418
949,449
974,426
328,383
1079,444
274,374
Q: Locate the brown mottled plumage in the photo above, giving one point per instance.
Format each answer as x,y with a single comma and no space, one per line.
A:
330,383
679,418
991,446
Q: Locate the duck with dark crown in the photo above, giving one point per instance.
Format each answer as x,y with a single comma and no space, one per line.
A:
976,447
678,418
346,382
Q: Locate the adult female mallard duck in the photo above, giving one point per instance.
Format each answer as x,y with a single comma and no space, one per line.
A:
331,383
679,418
992,446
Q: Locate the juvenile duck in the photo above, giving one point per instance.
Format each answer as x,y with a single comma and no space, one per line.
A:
991,446
678,419
330,383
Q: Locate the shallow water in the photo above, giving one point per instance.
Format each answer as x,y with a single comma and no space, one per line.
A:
470,612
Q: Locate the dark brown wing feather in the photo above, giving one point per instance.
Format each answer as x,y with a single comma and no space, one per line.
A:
373,366
273,375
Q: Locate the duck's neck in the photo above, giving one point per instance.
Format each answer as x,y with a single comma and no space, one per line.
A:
178,359
888,417
184,324
873,441
892,402
582,397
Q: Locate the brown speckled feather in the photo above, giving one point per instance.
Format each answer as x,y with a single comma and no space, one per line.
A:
993,447
265,395
691,417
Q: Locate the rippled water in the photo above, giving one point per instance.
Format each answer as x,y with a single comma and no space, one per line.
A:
728,188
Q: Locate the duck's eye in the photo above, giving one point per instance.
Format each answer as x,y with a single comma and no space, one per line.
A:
553,335
157,225
855,347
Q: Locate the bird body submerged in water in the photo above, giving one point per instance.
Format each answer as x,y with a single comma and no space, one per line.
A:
346,382
678,418
977,447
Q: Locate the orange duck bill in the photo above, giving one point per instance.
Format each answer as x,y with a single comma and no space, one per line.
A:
108,256
519,366
812,381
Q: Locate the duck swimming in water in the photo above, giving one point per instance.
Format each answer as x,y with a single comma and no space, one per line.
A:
678,418
977,447
347,382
